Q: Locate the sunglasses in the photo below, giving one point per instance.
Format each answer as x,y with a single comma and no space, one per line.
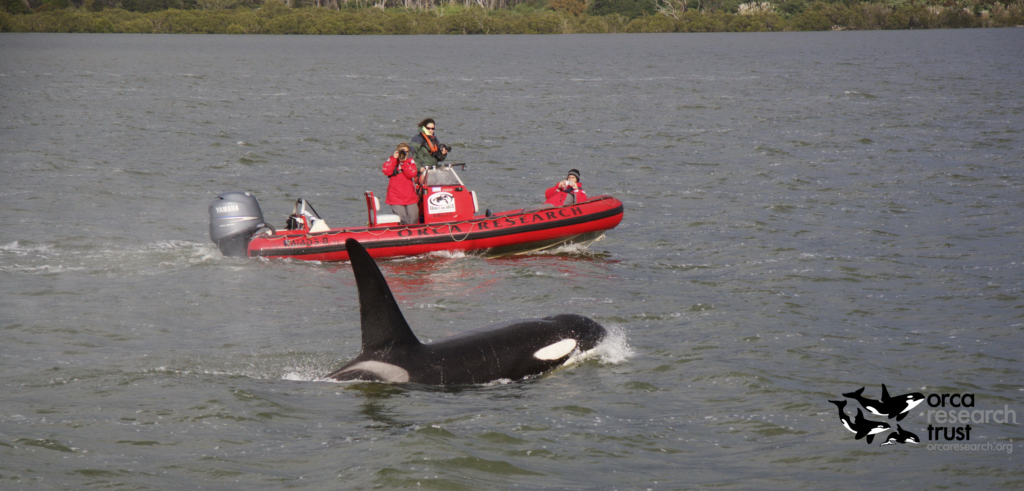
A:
429,128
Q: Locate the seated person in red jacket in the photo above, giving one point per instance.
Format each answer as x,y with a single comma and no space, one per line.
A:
401,172
567,192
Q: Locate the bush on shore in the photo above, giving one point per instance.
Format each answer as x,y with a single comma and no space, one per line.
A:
275,17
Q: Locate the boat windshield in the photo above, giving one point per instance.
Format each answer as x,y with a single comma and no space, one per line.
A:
443,176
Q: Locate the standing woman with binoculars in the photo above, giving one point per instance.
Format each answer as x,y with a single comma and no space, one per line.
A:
426,149
401,172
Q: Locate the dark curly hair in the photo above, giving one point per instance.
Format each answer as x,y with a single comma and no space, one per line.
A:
425,122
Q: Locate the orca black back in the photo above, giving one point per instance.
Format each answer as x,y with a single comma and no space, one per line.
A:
513,351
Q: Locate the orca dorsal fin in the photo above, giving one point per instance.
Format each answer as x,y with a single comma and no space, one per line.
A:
885,394
383,325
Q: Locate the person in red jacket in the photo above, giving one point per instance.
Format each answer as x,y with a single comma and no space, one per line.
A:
567,192
401,171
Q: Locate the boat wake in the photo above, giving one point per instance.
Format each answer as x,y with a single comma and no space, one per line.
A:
572,249
446,254
150,259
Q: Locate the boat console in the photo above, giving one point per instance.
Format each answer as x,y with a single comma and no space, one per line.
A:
444,196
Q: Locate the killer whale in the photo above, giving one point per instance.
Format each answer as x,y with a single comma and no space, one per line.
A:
900,436
860,426
892,407
515,350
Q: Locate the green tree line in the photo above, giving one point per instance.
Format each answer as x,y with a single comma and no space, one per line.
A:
494,16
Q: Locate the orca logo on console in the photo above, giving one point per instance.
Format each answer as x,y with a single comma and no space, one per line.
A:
441,203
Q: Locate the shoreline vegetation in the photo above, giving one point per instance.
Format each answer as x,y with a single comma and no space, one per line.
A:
497,16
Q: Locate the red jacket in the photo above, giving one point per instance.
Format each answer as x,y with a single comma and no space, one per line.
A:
401,190
557,196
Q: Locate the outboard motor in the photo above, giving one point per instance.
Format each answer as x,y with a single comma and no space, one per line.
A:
234,219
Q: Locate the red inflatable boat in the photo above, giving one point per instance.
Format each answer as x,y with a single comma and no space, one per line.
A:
449,223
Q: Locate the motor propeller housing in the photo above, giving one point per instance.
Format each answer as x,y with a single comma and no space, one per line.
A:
234,219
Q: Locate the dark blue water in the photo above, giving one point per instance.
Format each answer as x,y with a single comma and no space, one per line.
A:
806,214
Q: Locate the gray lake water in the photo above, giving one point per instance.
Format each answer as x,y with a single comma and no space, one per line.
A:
806,214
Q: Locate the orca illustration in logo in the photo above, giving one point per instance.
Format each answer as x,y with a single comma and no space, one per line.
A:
900,406
442,199
873,406
900,436
892,407
513,351
860,426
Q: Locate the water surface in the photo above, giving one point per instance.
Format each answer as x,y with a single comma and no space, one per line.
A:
806,214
